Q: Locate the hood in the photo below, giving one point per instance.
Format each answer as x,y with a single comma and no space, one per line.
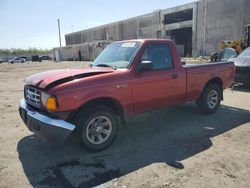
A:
48,79
241,61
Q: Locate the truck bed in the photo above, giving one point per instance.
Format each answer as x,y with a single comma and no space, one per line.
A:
199,74
207,64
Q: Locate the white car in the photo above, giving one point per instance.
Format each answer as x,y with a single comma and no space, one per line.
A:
17,60
242,67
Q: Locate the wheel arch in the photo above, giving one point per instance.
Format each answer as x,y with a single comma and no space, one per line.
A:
101,101
215,80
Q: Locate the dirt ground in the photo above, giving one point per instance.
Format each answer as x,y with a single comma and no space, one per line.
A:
171,147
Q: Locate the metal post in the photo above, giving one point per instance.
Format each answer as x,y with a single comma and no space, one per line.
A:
58,23
137,28
205,28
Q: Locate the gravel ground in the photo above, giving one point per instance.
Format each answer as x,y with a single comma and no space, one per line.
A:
171,147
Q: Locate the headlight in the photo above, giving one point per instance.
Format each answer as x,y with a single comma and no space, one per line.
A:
49,101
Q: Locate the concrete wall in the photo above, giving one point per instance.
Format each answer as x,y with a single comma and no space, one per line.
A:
212,21
90,42
88,51
225,20
145,26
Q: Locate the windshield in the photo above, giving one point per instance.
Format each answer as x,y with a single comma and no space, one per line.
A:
118,55
245,53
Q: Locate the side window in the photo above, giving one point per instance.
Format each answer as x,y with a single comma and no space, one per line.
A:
159,55
228,52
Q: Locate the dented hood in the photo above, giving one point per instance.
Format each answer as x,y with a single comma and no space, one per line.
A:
48,79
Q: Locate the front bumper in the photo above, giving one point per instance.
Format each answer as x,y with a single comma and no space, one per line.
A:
52,130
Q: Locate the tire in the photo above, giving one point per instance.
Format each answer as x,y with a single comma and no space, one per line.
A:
210,99
97,136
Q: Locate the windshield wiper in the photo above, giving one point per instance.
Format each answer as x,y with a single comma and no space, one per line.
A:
106,65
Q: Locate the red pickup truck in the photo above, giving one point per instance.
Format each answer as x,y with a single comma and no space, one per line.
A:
127,78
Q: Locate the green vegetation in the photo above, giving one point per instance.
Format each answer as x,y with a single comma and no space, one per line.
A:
19,51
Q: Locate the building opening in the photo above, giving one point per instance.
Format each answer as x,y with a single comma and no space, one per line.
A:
180,16
183,40
80,56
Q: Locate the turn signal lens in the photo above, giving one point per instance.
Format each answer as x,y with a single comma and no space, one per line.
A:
51,103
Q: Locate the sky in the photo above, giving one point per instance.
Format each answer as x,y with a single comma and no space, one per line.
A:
33,23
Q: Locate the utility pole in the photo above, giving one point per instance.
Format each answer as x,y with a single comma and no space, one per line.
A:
58,23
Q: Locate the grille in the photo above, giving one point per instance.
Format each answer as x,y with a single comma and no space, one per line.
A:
32,95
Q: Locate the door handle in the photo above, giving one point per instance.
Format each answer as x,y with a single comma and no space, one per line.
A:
174,76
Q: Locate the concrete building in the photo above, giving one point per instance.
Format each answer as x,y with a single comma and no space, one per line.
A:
196,28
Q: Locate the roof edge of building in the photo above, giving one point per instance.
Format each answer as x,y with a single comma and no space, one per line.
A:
134,17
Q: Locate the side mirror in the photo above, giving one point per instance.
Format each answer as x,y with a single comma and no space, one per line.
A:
145,66
183,63
233,56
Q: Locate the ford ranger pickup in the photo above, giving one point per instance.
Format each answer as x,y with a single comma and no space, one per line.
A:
128,78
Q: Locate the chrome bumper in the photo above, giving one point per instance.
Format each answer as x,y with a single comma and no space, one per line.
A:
51,130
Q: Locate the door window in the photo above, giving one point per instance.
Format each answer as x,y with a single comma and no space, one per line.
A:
159,55
228,53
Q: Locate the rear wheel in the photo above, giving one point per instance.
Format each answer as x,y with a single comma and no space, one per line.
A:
210,99
98,128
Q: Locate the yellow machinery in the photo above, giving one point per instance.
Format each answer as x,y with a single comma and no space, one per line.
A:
237,45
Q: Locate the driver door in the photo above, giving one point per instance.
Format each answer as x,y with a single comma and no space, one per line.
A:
160,86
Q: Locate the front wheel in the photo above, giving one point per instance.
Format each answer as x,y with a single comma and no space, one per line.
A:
98,128
210,99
